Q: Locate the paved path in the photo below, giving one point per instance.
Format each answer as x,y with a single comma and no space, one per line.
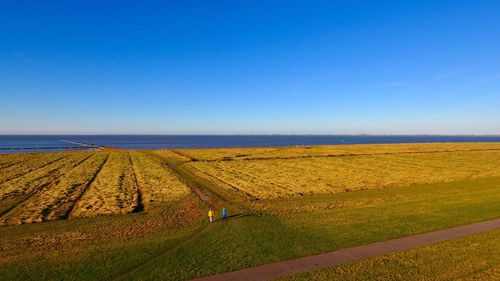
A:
309,263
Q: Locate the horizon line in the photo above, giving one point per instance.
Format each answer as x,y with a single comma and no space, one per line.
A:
360,134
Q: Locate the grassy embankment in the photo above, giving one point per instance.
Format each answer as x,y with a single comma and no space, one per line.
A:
173,241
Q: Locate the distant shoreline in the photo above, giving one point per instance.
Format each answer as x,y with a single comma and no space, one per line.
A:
223,142
260,135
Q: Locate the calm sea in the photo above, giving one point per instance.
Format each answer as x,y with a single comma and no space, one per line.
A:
18,144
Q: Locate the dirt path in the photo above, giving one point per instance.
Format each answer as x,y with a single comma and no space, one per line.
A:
198,186
310,263
203,192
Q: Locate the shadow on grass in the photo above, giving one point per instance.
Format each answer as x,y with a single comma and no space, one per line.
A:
235,216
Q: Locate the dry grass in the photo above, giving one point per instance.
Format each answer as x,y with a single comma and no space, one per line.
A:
114,190
37,179
157,183
329,150
273,178
85,184
88,187
56,200
17,166
172,155
7,160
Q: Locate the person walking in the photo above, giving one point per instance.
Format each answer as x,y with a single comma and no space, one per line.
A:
224,213
211,215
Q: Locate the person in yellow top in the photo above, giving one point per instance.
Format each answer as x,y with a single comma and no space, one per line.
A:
211,215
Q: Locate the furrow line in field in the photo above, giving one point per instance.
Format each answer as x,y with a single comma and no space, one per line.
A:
52,174
198,185
225,182
263,181
200,192
32,171
38,189
89,183
338,155
6,166
9,159
158,183
54,170
112,192
182,154
140,206
55,201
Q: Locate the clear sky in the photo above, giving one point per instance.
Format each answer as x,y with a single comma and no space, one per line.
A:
250,67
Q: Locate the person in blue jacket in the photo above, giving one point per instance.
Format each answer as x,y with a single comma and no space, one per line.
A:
224,213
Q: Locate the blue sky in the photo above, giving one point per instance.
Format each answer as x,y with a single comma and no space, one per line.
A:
249,67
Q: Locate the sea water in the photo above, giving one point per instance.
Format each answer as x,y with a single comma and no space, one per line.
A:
38,143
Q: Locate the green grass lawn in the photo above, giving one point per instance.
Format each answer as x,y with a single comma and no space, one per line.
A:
476,257
173,244
257,240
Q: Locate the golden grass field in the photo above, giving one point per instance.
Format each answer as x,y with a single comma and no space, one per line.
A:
329,150
44,187
260,174
50,186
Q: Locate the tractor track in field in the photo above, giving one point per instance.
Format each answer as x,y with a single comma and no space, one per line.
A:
256,179
203,192
36,190
207,199
232,186
202,187
334,155
182,154
87,186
